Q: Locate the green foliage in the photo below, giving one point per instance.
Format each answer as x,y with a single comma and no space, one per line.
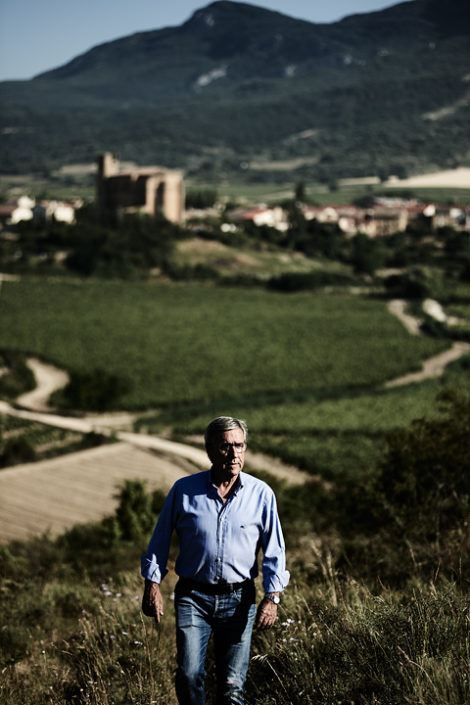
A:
97,390
305,281
126,246
137,510
367,254
17,378
25,441
202,198
425,474
411,516
416,283
17,450
342,644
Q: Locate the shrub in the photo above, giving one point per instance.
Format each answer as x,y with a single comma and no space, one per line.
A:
97,390
18,377
202,198
17,450
423,486
135,514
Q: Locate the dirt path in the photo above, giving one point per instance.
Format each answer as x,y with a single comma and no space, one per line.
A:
48,380
433,366
397,308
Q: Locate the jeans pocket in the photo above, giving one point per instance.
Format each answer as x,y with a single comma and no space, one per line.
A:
246,595
184,610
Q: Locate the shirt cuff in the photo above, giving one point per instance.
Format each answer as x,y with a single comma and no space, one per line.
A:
150,570
276,583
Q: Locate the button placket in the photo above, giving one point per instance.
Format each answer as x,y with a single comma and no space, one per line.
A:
221,528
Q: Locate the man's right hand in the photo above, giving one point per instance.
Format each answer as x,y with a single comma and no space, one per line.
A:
152,601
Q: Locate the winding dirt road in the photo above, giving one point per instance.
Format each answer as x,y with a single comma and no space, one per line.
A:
433,366
48,380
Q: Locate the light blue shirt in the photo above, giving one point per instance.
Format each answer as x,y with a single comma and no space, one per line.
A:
219,541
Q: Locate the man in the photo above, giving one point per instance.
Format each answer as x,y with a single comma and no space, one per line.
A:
222,518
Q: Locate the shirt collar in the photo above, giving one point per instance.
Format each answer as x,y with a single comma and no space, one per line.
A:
238,485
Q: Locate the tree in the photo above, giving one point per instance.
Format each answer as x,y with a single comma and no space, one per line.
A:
367,254
299,192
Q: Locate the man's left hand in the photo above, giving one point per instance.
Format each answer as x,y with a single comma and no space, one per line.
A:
266,615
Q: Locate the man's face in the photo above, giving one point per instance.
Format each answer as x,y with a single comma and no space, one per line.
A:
225,457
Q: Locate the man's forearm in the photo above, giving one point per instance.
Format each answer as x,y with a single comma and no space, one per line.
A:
152,601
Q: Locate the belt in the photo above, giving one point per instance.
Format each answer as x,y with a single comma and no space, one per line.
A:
221,588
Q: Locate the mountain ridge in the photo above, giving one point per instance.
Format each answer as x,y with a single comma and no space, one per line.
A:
235,81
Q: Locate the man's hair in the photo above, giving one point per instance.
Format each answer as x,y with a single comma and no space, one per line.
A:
222,424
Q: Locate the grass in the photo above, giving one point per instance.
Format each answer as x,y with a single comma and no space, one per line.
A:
55,188
262,263
367,618
343,644
333,437
81,640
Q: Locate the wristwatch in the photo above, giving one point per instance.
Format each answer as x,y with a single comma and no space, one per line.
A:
274,598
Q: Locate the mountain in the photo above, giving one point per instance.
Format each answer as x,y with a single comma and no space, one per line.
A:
242,91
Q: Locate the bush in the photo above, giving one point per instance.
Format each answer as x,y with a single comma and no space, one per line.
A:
97,390
417,283
137,510
18,378
423,488
202,198
17,450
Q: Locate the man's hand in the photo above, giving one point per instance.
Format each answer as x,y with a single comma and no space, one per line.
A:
152,601
266,615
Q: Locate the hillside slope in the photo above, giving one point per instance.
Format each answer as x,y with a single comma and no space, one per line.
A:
382,92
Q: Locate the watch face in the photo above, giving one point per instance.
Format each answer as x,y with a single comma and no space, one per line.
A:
274,598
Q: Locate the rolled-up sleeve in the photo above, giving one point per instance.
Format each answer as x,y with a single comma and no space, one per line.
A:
275,575
153,561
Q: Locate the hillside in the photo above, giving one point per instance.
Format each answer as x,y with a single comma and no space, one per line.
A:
238,90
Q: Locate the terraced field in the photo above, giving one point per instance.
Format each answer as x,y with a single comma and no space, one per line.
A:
53,495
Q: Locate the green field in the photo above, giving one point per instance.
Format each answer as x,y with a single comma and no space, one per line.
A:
326,195
188,344
305,370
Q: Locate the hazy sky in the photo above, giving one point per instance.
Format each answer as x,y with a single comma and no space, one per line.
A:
37,35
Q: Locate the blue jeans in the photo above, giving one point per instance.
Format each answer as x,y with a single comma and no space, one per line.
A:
229,617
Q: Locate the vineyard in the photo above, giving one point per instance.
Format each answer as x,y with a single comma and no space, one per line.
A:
183,344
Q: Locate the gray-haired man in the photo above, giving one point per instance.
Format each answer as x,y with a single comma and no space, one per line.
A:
222,517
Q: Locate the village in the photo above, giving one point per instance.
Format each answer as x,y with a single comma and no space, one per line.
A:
157,190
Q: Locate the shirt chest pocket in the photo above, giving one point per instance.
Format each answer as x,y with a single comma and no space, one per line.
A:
247,533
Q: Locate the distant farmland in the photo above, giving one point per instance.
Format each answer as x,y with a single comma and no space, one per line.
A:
185,344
